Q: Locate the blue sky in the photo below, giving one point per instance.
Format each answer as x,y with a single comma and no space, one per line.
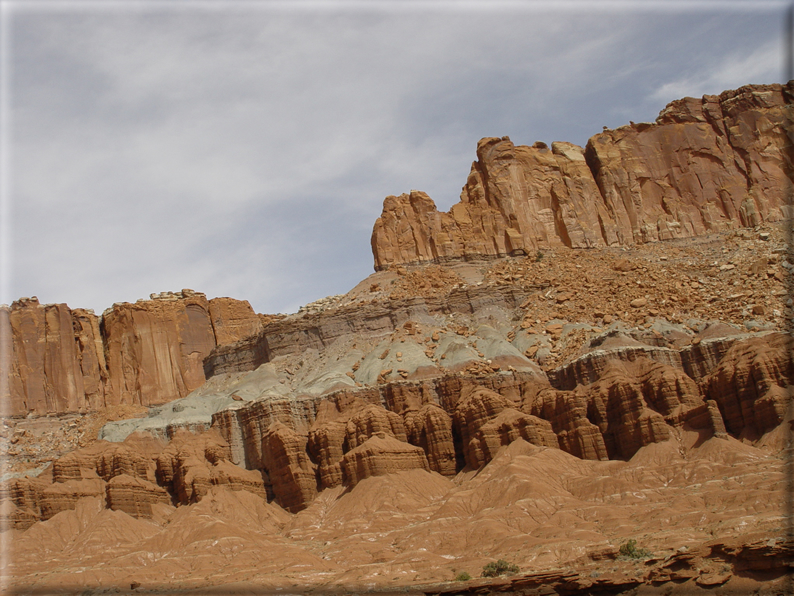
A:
244,149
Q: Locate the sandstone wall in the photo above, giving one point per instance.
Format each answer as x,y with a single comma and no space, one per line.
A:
704,165
53,356
63,360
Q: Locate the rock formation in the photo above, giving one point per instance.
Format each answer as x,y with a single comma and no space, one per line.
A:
62,360
381,454
156,349
704,165
56,361
430,428
134,496
752,385
292,474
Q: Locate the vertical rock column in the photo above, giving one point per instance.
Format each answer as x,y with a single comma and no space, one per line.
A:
53,359
155,349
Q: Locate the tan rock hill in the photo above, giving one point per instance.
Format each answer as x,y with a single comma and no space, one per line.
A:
704,165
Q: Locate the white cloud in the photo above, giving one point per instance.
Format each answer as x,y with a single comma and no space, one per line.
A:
762,65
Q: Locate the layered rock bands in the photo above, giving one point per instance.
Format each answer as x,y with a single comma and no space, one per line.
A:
703,166
63,360
457,422
460,421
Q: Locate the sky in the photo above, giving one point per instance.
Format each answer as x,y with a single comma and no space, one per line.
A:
244,149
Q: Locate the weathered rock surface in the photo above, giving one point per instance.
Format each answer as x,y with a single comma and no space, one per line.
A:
69,360
752,384
196,464
20,502
156,348
134,496
381,454
56,361
292,474
132,477
705,165
430,428
63,496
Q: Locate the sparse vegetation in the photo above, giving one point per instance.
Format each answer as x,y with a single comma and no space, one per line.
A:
629,550
500,567
462,577
538,257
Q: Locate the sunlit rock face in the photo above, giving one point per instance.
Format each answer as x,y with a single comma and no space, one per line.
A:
705,165
64,360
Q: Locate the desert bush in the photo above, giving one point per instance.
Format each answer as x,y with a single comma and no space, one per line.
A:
500,567
462,577
629,550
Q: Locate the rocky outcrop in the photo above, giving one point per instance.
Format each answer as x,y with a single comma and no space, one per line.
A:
134,477
156,348
379,455
63,496
193,463
20,502
371,420
430,428
56,361
506,427
293,335
245,426
232,320
64,360
704,165
618,406
292,474
134,496
487,421
105,460
567,413
752,383
328,438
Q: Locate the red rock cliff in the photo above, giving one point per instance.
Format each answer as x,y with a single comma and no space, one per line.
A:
706,164
54,359
62,360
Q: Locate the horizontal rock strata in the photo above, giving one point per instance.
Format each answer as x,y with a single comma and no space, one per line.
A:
447,424
460,421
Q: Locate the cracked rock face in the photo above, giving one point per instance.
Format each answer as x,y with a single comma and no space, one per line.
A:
705,165
146,353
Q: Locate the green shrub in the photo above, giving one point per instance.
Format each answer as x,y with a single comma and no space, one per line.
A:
500,567
462,577
538,257
629,550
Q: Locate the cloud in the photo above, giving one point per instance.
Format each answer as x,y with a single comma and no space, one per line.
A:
762,65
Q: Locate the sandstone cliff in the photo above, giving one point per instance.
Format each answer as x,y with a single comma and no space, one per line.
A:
150,352
704,165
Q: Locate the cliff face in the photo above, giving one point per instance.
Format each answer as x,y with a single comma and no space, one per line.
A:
62,360
54,357
705,165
